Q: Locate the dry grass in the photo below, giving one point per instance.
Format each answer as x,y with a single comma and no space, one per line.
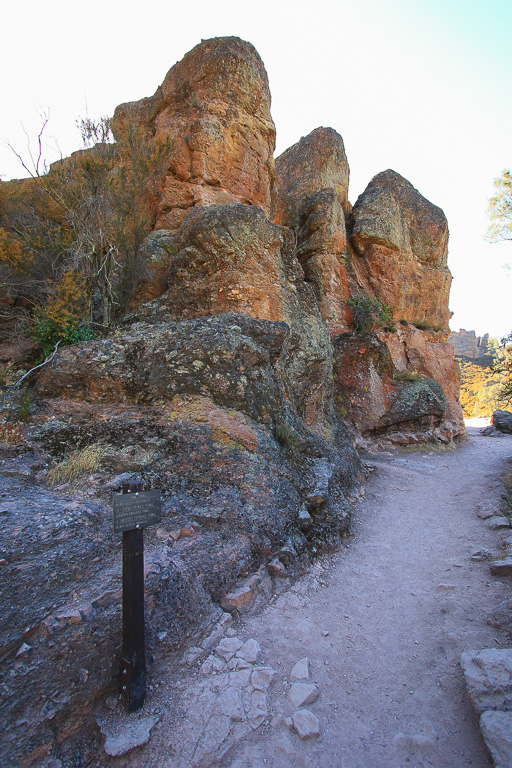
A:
408,376
79,463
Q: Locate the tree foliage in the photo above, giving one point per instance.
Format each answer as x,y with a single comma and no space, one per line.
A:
500,209
71,236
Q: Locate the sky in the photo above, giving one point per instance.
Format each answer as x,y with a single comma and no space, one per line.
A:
419,86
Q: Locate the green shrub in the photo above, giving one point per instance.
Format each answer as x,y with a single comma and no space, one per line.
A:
47,332
285,435
368,313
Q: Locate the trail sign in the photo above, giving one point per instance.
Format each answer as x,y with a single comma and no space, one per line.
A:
136,509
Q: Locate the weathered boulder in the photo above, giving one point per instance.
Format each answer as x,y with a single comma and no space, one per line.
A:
377,397
502,421
488,675
401,242
214,105
312,199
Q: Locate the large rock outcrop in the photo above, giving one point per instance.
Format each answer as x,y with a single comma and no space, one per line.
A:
391,250
239,390
401,240
214,105
312,199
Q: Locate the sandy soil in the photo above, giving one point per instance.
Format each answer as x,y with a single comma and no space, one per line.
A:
384,623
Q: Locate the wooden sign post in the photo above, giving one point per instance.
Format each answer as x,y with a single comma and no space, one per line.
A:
132,513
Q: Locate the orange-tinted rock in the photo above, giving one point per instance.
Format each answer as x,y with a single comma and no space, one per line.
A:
312,185
375,395
214,105
415,350
232,259
402,243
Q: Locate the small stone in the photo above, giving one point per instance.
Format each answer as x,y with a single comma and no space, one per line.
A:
84,674
161,534
250,651
124,738
325,633
497,732
69,617
496,523
306,724
86,611
111,702
234,664
228,647
161,636
276,568
481,553
24,648
241,678
263,677
288,723
486,513
186,532
3,561
301,694
230,704
446,587
192,654
238,599
502,567
300,670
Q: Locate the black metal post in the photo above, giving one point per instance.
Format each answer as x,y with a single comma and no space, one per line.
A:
133,666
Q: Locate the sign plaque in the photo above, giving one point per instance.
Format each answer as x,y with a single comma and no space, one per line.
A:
136,510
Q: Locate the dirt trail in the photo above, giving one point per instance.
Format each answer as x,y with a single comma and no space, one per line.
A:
384,623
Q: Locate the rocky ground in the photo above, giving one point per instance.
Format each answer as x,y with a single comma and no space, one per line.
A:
359,662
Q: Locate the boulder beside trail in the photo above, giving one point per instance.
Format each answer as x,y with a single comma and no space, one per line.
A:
502,421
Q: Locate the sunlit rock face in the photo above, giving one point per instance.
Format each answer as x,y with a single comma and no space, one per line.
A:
312,199
401,240
214,105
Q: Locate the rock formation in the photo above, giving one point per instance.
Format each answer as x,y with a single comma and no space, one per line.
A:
468,344
215,107
239,390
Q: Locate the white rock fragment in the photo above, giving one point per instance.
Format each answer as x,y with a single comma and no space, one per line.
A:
496,523
192,654
257,711
241,678
502,567
235,663
306,724
228,647
497,732
263,677
488,676
446,587
250,651
301,694
122,738
230,704
300,670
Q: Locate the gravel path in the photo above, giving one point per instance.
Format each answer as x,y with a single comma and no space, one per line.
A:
384,623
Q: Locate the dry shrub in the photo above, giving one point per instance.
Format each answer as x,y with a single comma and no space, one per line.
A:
11,434
79,463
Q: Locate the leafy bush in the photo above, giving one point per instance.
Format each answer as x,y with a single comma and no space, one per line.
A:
368,313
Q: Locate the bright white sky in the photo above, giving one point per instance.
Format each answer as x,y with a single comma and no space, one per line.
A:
420,86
